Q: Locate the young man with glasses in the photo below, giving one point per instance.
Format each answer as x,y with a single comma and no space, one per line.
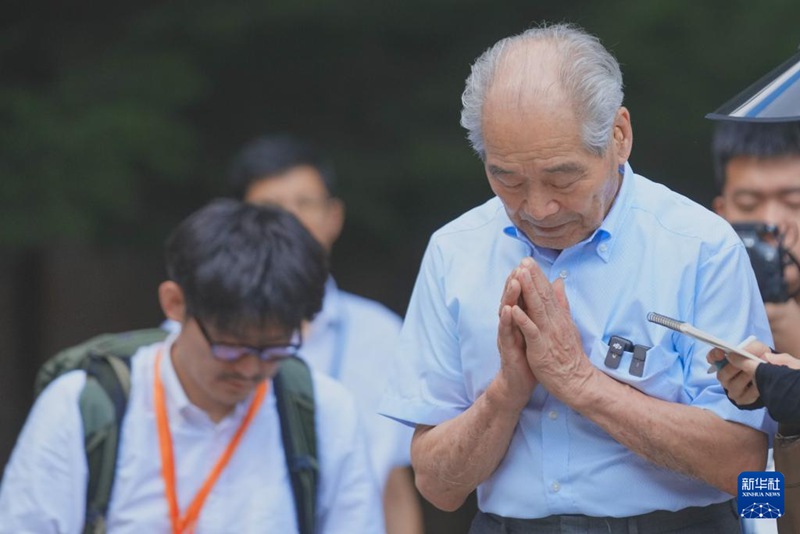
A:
200,445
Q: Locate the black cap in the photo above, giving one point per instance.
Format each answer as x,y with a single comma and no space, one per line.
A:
773,98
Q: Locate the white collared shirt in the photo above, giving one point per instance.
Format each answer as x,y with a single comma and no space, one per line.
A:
353,340
44,485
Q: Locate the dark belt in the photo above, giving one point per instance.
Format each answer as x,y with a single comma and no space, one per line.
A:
716,518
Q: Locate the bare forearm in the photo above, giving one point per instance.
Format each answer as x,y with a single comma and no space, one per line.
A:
452,458
401,503
685,439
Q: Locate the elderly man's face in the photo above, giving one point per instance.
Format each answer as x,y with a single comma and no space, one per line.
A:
552,188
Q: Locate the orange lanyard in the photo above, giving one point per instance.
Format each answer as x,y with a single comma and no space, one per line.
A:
187,523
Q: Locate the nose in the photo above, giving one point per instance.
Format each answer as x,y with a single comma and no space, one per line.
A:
539,205
248,365
775,212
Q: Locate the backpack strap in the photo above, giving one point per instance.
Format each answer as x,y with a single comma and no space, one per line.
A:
103,403
294,393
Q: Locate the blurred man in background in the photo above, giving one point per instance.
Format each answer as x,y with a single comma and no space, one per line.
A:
352,339
757,168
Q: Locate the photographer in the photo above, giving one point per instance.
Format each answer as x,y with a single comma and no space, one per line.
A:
757,167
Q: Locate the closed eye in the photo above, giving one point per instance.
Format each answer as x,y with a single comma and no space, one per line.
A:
565,184
566,175
747,200
508,184
504,177
791,197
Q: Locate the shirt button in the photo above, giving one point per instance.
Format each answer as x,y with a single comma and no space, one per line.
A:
563,274
553,414
555,486
603,247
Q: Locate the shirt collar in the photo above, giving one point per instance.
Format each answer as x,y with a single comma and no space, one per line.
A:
606,233
331,306
612,225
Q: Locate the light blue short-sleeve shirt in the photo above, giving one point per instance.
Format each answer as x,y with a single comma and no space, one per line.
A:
655,251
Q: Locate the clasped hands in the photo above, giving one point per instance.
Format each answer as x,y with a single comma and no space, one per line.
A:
537,339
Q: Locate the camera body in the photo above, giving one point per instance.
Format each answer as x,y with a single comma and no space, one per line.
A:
764,245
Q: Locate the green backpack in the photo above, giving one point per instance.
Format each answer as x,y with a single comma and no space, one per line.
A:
106,360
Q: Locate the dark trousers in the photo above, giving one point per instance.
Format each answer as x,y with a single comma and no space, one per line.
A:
719,518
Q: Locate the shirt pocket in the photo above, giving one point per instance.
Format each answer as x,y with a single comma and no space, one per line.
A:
662,373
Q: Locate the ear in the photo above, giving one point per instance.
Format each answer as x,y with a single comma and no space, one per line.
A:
334,222
623,135
170,296
718,204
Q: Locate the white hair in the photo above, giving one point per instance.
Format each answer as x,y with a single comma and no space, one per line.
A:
589,75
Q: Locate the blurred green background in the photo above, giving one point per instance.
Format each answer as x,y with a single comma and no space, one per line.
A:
119,119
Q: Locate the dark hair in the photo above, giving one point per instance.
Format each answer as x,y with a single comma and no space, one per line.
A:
271,156
761,140
241,265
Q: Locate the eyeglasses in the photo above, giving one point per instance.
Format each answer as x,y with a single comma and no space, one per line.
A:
267,353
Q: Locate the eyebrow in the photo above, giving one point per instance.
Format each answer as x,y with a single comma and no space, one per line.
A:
565,168
494,170
569,167
740,192
783,191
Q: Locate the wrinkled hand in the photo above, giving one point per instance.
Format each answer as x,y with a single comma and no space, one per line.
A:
552,343
784,319
738,377
515,382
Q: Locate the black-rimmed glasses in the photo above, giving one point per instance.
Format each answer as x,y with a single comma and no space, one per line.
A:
268,353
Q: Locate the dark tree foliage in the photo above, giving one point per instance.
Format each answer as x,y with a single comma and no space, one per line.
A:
118,120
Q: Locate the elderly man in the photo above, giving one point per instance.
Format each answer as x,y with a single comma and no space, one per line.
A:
558,400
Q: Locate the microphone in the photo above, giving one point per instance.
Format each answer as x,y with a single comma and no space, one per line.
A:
689,330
